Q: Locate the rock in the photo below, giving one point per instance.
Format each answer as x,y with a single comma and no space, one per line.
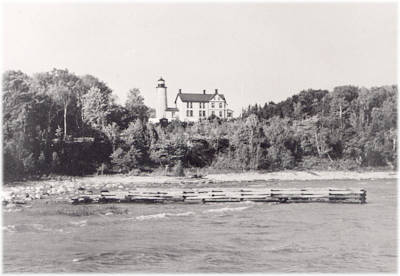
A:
7,195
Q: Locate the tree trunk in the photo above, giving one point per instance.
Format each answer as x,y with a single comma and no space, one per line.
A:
65,121
317,145
329,157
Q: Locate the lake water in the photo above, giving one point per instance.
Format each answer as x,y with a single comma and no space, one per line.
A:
219,237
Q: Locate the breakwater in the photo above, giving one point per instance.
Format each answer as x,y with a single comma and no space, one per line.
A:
288,195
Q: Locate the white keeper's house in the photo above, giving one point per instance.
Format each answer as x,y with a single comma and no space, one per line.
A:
190,107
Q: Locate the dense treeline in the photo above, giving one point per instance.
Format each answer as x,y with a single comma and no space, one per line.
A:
43,113
46,115
348,123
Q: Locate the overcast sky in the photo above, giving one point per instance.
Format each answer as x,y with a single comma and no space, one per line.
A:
251,52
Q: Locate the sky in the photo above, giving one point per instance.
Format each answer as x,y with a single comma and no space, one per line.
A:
252,52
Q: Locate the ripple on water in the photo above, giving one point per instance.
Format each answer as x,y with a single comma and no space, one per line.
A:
33,227
150,257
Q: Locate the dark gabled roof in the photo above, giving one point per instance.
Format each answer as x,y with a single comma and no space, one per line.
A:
172,109
197,97
222,96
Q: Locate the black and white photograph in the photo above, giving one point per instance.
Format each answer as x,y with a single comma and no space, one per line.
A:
199,136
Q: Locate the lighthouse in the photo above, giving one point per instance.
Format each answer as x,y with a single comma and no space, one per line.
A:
161,106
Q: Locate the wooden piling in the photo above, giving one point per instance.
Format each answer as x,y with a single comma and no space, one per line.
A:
332,195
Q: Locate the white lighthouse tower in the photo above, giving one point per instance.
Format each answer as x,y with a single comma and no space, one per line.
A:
161,107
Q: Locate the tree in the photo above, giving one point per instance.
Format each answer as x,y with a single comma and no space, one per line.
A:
112,131
136,143
96,108
341,99
135,106
64,90
24,123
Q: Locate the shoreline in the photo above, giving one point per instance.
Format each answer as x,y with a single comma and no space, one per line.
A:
23,192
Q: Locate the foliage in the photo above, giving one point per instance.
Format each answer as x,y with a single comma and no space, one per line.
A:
96,108
135,106
57,122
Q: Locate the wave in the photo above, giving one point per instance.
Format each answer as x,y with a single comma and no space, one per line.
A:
156,216
80,223
180,214
12,210
26,228
9,228
78,259
226,209
164,215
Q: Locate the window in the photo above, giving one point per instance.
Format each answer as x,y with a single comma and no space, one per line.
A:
212,112
204,113
191,106
187,113
220,105
187,104
212,105
220,114
191,113
200,113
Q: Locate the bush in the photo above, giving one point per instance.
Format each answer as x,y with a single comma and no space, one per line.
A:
120,160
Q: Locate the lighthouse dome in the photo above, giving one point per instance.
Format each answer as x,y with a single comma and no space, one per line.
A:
161,82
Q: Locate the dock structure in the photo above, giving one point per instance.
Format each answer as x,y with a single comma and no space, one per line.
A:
332,195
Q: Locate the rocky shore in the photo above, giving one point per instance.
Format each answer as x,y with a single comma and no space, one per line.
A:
21,193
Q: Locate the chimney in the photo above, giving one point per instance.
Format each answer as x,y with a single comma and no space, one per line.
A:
216,91
180,91
204,91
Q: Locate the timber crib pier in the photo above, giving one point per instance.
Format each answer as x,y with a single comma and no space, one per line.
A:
332,195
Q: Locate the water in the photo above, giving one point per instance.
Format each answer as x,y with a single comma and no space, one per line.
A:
219,237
